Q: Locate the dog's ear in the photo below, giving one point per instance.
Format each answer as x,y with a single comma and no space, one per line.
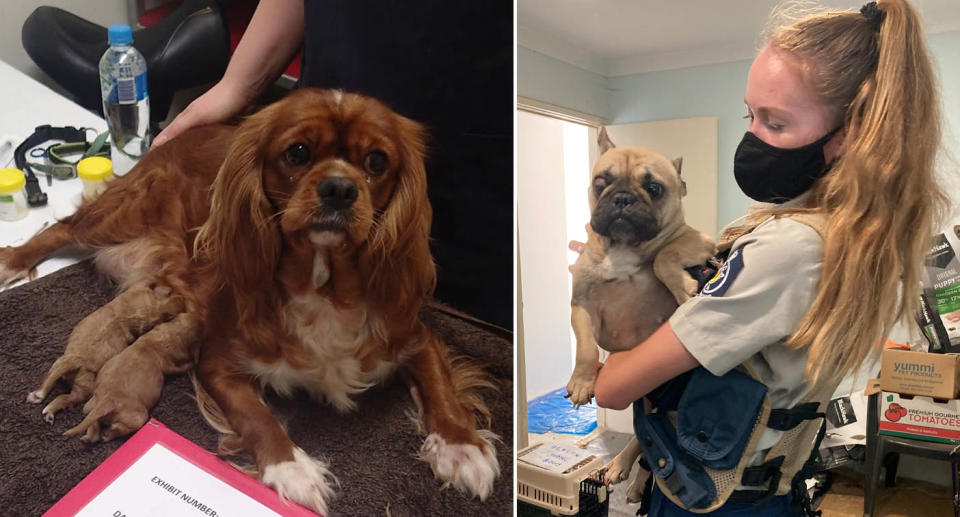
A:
678,164
603,141
241,240
402,272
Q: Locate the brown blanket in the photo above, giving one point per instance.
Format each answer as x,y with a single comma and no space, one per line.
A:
371,451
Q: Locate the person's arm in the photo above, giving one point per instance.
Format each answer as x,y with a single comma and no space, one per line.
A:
627,376
270,41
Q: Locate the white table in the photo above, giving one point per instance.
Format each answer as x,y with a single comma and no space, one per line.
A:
24,105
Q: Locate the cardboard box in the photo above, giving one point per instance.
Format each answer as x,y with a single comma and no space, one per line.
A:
920,373
920,418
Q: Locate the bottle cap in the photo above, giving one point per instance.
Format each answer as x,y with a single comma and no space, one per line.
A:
95,168
11,180
119,35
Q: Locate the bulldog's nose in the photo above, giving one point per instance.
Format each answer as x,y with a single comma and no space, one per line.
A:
624,199
337,192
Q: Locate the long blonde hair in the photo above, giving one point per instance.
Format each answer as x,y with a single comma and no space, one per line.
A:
882,198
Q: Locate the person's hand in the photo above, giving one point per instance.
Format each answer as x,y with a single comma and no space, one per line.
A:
578,247
218,104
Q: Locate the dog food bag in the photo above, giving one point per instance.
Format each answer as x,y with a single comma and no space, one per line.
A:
940,302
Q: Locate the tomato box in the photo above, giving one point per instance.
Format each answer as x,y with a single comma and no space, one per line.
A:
921,418
920,373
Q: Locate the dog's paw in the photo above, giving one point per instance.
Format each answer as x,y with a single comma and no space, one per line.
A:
304,480
10,276
635,492
687,291
466,467
580,387
616,471
36,397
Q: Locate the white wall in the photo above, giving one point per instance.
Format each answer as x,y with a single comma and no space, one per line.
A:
715,91
549,80
542,239
14,12
712,90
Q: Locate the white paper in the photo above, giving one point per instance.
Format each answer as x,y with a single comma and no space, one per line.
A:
555,457
162,483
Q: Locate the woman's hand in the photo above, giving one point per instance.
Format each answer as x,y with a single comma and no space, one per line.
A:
629,375
218,104
270,41
578,247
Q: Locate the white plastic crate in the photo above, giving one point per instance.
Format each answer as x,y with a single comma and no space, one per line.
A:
558,493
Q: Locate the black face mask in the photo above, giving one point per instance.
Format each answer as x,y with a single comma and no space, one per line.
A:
773,174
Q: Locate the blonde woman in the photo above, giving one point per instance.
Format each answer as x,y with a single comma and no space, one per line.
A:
844,129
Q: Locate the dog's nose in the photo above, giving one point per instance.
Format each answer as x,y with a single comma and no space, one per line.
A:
623,199
337,192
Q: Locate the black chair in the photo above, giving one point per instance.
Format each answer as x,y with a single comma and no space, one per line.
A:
884,450
187,48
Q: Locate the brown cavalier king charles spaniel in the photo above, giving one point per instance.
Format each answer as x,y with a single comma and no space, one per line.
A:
303,263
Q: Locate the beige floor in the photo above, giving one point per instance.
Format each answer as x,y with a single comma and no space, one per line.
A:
907,499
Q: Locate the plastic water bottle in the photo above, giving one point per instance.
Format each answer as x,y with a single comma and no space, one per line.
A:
126,105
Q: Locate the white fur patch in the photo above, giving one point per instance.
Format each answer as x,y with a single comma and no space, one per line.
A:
326,238
466,467
333,336
321,272
619,263
338,96
304,480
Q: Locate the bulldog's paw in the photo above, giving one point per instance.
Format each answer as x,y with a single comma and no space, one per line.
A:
303,480
580,387
616,471
688,290
635,492
466,467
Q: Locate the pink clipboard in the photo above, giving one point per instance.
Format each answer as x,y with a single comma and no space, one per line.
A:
152,433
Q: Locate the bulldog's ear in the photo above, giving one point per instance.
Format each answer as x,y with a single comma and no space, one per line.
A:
677,164
603,141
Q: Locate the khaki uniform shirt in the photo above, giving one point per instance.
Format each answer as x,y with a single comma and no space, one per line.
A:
750,308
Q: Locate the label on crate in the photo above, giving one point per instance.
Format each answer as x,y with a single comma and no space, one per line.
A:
555,457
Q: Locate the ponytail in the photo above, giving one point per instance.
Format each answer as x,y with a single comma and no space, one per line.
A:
881,199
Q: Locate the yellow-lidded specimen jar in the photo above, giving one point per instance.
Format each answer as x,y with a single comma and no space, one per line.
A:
13,203
94,171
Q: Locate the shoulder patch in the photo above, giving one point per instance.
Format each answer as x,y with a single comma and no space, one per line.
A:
720,282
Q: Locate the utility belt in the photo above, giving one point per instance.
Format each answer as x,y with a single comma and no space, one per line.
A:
703,430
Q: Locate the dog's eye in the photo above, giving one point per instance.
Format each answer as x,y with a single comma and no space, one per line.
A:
297,154
375,163
600,183
654,189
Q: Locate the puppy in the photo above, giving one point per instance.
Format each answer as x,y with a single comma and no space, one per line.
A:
99,337
129,384
630,277
308,272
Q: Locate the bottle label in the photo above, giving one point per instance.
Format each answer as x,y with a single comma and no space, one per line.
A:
8,209
131,90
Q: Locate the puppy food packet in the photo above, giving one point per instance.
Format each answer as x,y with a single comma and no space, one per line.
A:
931,326
939,316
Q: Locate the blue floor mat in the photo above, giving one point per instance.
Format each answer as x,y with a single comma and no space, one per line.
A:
553,413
